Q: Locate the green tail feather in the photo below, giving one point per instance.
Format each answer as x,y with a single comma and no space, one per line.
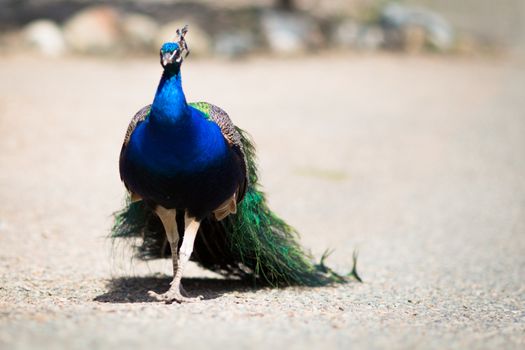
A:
257,244
265,243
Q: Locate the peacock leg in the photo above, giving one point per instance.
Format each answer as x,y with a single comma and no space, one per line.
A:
168,219
175,293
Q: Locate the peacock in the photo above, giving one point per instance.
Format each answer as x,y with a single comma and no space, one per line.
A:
193,191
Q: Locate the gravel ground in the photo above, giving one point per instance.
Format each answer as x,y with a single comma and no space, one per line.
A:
416,162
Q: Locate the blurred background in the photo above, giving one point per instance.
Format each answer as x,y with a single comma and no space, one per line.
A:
234,28
395,128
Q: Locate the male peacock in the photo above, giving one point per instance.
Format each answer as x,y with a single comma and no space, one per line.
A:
189,166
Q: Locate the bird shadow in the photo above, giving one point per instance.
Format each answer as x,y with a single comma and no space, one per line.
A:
135,289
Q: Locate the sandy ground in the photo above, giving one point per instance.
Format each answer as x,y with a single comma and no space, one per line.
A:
416,162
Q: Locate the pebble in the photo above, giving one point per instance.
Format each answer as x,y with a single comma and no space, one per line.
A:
96,29
290,33
45,37
413,28
234,44
140,31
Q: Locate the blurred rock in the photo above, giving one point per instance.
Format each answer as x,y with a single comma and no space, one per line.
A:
469,45
140,31
199,42
346,33
413,27
351,34
371,38
234,44
45,36
415,38
96,29
290,33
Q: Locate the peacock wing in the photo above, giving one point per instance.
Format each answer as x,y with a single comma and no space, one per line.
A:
139,117
230,132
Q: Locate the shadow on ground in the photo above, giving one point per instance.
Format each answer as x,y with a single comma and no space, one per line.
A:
135,289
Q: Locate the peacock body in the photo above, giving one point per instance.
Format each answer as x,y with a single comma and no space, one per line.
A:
192,178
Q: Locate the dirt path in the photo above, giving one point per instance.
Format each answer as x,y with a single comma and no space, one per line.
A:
417,162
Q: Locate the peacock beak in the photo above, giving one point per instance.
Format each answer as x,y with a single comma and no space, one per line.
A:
168,58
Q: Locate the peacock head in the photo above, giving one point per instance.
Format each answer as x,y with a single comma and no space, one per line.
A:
173,53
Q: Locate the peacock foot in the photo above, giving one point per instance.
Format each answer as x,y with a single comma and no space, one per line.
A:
174,295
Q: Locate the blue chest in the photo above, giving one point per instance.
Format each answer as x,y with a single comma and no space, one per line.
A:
187,146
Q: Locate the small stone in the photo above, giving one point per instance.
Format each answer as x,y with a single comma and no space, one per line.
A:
290,33
234,44
351,34
96,29
415,38
370,38
140,31
46,37
346,33
199,42
411,28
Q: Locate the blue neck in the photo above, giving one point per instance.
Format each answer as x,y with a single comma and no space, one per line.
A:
170,104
